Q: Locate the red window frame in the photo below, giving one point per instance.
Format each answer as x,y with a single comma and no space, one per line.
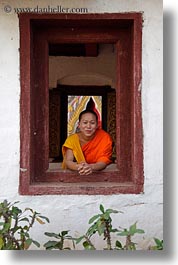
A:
36,32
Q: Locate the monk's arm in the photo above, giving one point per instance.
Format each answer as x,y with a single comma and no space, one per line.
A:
87,169
98,166
69,157
83,168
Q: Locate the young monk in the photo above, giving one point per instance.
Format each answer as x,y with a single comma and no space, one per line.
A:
88,150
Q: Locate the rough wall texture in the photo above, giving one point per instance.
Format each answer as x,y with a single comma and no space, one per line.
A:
72,212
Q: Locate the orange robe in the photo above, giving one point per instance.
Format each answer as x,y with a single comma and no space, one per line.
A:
99,149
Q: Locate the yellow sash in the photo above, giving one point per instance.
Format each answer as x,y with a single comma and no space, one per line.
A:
72,142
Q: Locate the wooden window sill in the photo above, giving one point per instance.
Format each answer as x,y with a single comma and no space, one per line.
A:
83,188
53,167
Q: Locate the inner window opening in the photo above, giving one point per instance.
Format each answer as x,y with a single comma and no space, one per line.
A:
81,76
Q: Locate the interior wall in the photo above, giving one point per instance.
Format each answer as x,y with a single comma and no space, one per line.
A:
98,70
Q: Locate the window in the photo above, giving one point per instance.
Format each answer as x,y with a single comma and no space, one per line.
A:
70,101
37,34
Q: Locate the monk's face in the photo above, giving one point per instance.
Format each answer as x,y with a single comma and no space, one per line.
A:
88,124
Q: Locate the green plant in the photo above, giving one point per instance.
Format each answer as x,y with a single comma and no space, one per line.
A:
129,233
59,244
158,246
101,224
15,225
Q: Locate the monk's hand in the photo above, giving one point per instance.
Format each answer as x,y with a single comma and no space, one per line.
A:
81,169
85,169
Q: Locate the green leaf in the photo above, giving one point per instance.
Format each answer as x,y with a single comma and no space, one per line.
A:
15,212
29,209
159,244
25,219
28,243
52,235
92,229
26,227
100,227
92,219
51,244
45,218
78,240
63,233
24,233
114,230
87,246
157,241
36,243
139,231
101,208
106,216
132,229
123,233
6,227
16,202
118,244
112,211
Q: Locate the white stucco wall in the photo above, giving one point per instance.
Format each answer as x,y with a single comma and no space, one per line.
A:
73,212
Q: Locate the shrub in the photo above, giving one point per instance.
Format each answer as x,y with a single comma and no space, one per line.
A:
101,225
15,226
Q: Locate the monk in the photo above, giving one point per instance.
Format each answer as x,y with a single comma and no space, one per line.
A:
88,150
